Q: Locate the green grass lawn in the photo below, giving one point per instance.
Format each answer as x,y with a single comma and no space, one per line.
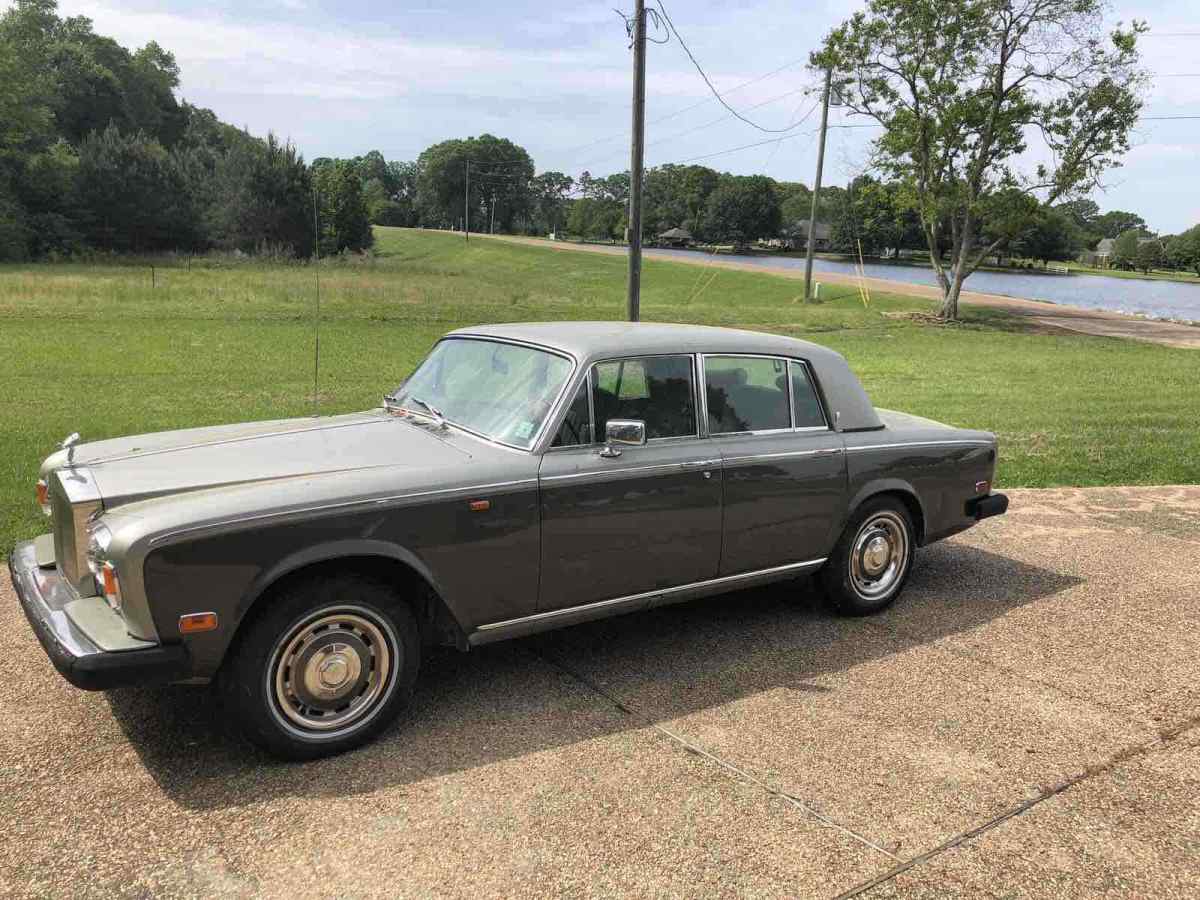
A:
99,350
1156,275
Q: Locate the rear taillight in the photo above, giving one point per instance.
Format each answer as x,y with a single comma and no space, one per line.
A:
43,495
982,487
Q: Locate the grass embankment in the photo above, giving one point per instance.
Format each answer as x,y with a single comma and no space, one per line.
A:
99,350
1155,275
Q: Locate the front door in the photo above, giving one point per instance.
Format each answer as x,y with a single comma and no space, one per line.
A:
649,518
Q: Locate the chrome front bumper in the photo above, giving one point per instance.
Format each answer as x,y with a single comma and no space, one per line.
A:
87,645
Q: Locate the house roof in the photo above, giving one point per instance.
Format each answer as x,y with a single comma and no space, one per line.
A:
677,233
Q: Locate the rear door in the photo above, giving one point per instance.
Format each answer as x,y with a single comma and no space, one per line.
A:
784,467
649,518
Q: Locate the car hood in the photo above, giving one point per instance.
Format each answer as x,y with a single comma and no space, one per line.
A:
140,467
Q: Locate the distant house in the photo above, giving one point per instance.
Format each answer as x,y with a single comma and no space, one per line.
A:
675,237
797,236
1101,257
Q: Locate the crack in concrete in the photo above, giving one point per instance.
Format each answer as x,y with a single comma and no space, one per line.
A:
696,749
1136,751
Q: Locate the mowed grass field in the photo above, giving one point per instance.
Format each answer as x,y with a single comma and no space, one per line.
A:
102,350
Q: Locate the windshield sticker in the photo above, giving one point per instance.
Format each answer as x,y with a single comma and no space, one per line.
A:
523,431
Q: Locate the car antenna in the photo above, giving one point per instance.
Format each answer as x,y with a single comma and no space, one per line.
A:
317,311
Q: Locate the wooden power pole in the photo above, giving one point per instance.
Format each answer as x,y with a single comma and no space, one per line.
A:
467,205
637,157
812,218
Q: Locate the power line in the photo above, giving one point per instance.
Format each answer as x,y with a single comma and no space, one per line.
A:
1165,118
679,112
671,25
794,124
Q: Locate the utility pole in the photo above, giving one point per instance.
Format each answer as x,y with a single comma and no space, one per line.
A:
467,205
492,226
812,218
637,155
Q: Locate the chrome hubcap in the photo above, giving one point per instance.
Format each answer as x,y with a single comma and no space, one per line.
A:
879,556
333,671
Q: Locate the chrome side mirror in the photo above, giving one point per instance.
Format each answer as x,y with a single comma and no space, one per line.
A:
629,432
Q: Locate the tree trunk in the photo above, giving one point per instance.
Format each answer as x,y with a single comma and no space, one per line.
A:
949,308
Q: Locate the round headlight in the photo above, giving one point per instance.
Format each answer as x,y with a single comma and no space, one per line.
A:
99,537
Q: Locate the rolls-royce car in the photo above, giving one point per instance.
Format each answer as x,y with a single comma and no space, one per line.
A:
523,478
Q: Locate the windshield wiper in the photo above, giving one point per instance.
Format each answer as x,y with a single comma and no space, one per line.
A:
391,404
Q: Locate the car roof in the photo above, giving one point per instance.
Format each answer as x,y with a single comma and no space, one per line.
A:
592,341
588,341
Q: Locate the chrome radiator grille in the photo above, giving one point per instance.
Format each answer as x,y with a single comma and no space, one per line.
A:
73,498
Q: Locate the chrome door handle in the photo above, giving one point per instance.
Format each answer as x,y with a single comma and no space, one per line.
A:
700,463
829,451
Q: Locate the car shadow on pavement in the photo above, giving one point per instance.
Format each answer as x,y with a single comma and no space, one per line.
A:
506,701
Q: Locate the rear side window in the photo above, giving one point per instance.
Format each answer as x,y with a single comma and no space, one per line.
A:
805,405
657,390
746,393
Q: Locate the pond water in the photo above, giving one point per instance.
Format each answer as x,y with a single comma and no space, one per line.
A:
1144,297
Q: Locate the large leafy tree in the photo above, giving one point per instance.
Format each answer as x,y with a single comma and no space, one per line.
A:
967,90
1183,250
501,173
343,221
742,209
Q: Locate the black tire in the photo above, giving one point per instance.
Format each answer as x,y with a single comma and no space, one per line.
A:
852,585
322,666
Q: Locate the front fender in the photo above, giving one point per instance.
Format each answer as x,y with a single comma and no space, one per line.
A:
334,550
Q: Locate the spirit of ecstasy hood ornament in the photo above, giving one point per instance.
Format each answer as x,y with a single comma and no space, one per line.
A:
69,445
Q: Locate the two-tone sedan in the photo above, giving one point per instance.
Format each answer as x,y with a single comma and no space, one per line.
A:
525,477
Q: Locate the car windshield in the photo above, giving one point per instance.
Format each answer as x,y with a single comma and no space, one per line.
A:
501,391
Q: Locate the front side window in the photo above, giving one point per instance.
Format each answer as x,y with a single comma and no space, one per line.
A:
576,427
657,390
746,393
501,391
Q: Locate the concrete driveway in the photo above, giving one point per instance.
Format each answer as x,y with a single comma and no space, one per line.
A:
1025,722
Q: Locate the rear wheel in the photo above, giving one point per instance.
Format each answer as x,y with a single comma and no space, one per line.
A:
872,559
325,667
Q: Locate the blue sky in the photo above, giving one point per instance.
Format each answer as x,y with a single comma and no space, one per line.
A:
341,78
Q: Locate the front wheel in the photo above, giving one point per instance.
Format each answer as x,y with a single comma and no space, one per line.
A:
872,559
324,667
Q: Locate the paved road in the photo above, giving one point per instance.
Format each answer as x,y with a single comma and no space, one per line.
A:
1070,318
1026,722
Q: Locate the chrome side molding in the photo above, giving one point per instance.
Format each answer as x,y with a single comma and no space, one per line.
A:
661,592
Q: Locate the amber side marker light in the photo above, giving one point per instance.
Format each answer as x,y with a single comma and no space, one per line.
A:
196,622
43,496
480,505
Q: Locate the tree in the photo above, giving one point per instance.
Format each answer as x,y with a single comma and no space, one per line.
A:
1124,255
1051,234
1150,255
550,192
961,87
500,170
742,209
1183,250
866,215
598,218
343,219
130,194
1112,224
263,199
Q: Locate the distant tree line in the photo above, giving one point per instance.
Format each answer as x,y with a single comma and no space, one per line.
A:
96,153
